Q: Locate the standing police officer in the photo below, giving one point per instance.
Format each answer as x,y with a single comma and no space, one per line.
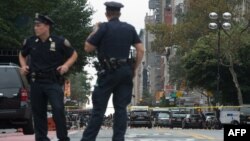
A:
112,41
49,58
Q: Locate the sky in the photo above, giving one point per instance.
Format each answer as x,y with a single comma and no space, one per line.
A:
133,12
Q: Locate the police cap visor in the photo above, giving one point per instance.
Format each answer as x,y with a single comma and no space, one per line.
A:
44,19
113,6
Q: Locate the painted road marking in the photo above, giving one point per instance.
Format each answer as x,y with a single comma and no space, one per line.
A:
197,136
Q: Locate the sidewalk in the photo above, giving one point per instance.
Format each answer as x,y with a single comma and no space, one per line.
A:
18,136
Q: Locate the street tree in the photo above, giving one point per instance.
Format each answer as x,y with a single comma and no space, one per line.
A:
72,19
80,87
193,31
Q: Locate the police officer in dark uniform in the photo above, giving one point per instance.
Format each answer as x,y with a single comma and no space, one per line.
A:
112,41
49,58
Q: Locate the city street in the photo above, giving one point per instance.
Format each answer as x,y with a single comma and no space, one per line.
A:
169,70
133,134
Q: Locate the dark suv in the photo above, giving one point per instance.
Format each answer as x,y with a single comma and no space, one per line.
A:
193,121
177,117
245,114
15,109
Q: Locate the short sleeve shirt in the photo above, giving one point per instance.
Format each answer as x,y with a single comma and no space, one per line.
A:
114,39
46,56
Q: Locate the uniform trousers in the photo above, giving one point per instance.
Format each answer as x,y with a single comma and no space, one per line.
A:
41,94
119,82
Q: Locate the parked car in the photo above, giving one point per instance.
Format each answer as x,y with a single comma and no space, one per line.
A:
213,123
177,117
140,118
15,108
209,115
163,119
155,111
210,120
128,118
193,121
245,114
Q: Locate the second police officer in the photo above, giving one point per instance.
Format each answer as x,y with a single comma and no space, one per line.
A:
49,58
112,41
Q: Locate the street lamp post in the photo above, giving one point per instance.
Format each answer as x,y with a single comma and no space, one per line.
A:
218,24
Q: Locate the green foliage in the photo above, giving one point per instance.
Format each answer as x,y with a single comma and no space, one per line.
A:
196,58
201,65
163,102
163,36
243,70
72,18
80,87
176,69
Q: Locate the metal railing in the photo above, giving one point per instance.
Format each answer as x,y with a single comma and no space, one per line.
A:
9,52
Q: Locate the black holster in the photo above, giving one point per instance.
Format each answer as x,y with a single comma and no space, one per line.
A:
113,63
99,68
60,78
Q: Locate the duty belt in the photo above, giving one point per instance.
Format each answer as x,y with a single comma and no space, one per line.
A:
110,64
113,63
52,75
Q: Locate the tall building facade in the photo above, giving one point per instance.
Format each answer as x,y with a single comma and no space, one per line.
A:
138,79
155,71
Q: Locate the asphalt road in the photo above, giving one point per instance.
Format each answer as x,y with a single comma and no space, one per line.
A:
133,134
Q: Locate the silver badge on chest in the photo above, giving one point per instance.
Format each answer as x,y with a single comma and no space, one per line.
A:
52,46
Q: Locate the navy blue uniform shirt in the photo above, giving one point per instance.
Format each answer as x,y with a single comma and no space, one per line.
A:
114,39
46,56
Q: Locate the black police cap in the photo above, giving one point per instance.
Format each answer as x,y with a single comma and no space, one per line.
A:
43,19
113,6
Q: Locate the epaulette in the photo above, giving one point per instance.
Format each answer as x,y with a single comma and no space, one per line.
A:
67,43
24,42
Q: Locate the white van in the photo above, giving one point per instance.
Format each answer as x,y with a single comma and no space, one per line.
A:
230,117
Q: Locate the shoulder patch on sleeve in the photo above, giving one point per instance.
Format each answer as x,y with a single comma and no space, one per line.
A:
67,43
104,24
24,42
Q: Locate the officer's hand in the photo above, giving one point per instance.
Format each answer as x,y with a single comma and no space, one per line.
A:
62,69
24,70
